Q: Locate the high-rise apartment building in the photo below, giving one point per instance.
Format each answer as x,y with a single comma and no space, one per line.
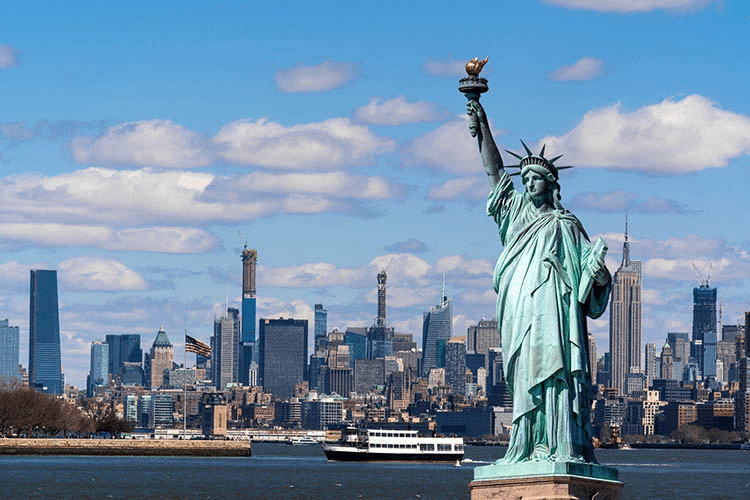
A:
283,355
98,368
704,329
45,367
9,347
321,328
159,359
625,320
249,264
437,328
592,358
652,370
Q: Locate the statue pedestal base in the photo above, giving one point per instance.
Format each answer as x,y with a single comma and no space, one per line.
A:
545,481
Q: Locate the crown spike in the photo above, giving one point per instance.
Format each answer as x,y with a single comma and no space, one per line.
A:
563,168
553,160
541,153
528,151
514,154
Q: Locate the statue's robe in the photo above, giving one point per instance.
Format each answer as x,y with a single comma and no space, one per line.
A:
543,326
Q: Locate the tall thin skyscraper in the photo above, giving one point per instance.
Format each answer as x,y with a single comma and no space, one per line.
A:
321,327
437,329
99,366
455,364
249,264
227,346
704,328
123,349
9,345
652,364
283,355
625,319
45,367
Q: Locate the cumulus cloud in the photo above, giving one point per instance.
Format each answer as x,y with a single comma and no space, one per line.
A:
587,68
8,56
445,67
397,111
412,245
180,240
338,183
673,136
95,196
625,6
311,275
469,188
147,143
620,200
102,274
325,76
328,144
450,148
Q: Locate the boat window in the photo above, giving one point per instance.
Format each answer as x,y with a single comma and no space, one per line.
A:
427,447
444,447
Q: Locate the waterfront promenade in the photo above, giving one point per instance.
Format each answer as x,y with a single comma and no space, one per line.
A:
125,447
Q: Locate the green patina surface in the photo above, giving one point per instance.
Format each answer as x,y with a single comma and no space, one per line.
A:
534,469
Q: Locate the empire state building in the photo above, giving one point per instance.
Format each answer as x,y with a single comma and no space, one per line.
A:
625,319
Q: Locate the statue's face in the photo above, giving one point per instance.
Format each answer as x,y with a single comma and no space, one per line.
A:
536,184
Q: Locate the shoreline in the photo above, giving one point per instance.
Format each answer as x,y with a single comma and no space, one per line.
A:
124,447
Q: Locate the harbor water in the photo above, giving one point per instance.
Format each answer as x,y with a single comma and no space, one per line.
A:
302,472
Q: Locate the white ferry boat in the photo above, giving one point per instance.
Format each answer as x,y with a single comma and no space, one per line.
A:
394,445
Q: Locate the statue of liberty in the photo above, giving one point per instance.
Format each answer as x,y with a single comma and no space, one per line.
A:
548,278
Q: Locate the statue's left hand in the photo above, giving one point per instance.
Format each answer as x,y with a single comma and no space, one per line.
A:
600,272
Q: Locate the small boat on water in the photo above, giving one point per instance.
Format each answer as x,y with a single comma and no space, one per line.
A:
393,445
297,440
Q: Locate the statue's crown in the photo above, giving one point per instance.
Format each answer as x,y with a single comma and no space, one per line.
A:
531,159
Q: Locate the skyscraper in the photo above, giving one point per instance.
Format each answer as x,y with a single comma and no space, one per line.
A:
9,345
249,264
321,327
625,319
482,336
227,345
455,364
123,349
99,366
159,359
704,328
652,364
283,355
437,328
45,367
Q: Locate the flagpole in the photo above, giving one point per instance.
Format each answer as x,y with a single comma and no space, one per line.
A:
184,392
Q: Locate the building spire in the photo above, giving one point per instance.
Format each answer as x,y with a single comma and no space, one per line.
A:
626,245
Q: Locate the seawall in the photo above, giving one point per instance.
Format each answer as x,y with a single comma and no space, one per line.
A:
115,447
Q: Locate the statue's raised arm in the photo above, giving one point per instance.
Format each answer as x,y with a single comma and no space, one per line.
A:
480,128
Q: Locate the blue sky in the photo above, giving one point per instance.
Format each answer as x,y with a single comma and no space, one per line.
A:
138,140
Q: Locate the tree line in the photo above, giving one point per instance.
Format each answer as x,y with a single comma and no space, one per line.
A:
26,412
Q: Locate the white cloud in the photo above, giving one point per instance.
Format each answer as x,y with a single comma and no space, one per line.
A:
450,148
445,67
97,196
311,275
397,111
328,144
625,6
95,273
338,183
451,263
587,68
147,143
8,56
470,188
14,272
670,137
327,75
273,308
146,239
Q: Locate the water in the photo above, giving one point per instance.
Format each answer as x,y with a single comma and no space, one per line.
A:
302,472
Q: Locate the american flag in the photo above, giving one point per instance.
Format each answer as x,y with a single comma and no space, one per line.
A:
196,346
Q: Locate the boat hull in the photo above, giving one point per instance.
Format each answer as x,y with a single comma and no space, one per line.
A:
364,456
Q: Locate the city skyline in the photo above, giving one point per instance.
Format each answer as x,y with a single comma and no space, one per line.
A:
337,146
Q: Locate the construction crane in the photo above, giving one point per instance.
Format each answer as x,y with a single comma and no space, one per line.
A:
701,282
243,240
